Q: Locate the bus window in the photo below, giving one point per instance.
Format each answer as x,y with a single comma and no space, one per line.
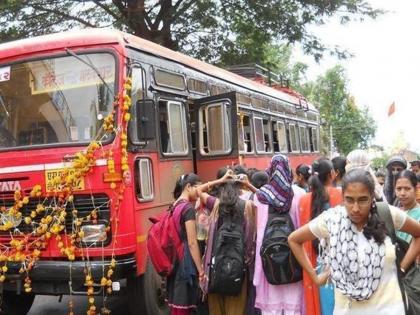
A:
315,140
257,102
289,146
241,140
144,182
137,86
173,128
279,136
197,86
244,134
294,138
262,135
216,90
259,135
276,147
311,143
304,139
192,120
243,99
313,136
137,92
215,129
267,142
169,79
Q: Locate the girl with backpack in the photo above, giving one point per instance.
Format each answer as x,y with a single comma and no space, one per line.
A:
182,283
280,196
361,257
322,197
230,247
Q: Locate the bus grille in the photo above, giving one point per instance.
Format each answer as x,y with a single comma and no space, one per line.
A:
84,204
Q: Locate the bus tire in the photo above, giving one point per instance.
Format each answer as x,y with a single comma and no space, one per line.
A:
146,293
13,304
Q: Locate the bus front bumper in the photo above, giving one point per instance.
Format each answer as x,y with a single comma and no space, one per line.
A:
64,277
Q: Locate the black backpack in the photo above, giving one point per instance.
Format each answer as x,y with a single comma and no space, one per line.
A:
227,266
410,298
279,264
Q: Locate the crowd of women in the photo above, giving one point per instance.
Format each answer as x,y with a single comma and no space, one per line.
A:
341,240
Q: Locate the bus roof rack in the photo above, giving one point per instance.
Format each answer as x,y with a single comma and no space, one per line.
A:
265,76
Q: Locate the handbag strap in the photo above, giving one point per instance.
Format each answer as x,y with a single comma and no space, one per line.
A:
385,214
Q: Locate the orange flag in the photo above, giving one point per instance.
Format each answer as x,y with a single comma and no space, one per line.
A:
391,109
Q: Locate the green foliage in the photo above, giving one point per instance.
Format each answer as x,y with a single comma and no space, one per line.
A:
380,162
228,31
351,127
223,32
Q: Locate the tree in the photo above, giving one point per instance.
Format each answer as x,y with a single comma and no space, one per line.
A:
351,127
380,162
207,29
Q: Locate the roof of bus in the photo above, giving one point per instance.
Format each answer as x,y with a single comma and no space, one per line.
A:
106,36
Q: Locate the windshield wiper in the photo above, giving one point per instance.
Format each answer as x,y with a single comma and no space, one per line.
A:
90,65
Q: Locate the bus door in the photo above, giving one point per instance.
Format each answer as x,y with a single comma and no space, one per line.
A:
216,134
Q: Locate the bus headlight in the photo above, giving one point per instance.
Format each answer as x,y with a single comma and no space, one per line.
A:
94,233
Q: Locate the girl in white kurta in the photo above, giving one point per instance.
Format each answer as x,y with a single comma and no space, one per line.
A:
359,256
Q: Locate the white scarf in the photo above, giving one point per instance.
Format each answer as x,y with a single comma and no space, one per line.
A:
355,277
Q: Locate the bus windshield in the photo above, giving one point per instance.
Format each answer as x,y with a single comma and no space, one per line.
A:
55,100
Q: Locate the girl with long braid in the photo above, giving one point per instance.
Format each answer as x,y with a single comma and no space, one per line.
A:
322,197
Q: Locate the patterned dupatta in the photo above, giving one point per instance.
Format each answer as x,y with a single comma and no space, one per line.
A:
356,277
278,193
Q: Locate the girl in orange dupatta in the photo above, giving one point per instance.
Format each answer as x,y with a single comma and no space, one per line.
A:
322,197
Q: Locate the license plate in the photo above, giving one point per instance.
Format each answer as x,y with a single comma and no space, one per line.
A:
51,186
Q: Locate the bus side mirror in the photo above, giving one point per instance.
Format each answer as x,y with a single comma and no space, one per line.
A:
146,121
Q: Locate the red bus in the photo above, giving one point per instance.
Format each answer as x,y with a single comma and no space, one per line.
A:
81,170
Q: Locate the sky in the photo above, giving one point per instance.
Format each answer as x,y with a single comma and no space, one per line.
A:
385,67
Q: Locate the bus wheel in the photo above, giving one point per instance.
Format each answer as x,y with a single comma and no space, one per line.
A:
147,293
13,304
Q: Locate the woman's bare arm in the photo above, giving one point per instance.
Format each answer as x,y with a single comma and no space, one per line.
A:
296,241
246,183
411,227
203,189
